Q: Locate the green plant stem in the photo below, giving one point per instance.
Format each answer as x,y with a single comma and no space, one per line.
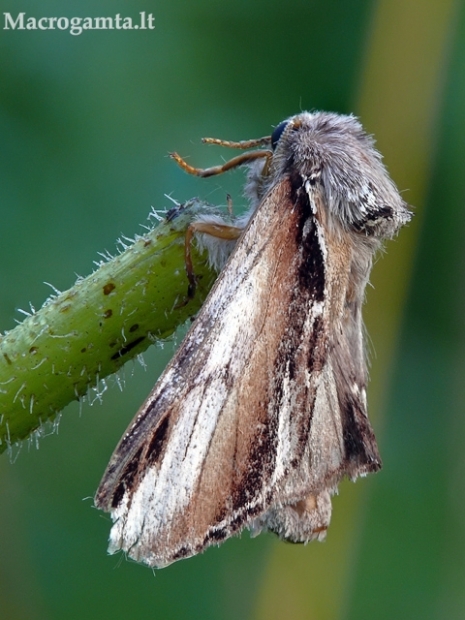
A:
88,332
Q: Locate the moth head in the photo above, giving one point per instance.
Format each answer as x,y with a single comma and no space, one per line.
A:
332,155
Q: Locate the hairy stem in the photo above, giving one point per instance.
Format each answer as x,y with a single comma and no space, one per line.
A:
88,332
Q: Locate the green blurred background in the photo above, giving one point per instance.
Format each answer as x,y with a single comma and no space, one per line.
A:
85,125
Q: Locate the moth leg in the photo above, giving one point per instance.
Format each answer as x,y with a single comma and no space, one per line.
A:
220,231
229,165
243,144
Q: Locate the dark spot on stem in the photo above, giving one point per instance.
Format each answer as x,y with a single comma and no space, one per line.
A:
108,288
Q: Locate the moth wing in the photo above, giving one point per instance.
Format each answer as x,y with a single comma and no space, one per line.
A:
244,427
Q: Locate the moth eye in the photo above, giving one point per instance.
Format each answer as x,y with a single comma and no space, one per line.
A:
277,133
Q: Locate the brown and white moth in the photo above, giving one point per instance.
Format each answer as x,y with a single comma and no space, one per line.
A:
262,410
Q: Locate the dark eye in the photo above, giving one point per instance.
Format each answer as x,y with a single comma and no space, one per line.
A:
277,133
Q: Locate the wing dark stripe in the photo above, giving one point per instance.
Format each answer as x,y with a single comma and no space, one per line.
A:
359,439
127,478
157,442
260,465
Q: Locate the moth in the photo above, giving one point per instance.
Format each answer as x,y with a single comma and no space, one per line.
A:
262,410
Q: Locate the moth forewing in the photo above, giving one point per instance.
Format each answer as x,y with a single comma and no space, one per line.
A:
263,408
210,396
